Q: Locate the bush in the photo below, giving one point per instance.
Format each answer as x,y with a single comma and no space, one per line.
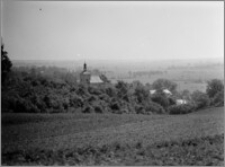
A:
115,106
139,109
161,100
9,103
88,109
214,86
201,99
172,101
218,99
111,91
141,94
94,91
181,109
98,109
122,90
154,108
76,101
25,106
164,83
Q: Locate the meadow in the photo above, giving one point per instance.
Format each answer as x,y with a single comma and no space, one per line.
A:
128,139
191,79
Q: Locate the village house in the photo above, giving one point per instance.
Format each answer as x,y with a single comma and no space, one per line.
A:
168,93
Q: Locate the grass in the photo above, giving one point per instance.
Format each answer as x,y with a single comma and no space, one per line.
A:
60,132
205,151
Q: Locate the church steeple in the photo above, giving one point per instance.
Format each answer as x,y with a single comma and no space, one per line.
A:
85,75
85,67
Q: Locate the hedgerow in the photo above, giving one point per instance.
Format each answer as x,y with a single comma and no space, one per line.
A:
31,91
181,109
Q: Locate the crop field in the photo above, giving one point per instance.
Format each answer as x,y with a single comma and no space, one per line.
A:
56,135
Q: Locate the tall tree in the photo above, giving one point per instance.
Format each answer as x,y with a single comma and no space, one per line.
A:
164,84
6,64
214,86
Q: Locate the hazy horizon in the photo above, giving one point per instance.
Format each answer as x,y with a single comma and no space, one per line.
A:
91,31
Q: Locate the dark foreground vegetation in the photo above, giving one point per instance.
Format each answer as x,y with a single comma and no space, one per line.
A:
206,151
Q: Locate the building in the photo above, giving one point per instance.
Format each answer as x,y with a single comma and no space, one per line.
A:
181,101
95,79
168,93
165,91
86,77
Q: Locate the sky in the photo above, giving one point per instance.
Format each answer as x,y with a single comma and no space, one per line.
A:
112,30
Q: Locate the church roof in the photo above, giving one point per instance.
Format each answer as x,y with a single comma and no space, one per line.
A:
166,91
95,79
86,73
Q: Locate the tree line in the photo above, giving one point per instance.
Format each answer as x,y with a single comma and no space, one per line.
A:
56,90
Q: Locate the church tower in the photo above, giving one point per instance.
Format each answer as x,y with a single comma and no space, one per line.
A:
85,67
85,76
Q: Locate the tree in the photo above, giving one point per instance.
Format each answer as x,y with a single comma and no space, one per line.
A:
6,64
141,94
161,99
218,99
214,86
164,84
185,94
122,90
201,99
104,78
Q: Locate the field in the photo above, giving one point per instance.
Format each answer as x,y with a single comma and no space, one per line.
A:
60,134
185,78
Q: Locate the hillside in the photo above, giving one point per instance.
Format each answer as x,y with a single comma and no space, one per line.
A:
24,131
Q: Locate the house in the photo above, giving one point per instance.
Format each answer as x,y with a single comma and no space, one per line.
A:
95,79
152,92
168,93
165,91
181,101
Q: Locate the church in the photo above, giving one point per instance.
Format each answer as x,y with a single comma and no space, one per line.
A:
86,77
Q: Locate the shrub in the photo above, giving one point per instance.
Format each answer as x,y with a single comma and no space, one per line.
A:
25,106
110,91
9,103
161,100
115,106
122,90
164,83
88,109
201,99
141,94
139,109
154,108
181,109
76,101
98,109
172,101
218,99
214,86
94,91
